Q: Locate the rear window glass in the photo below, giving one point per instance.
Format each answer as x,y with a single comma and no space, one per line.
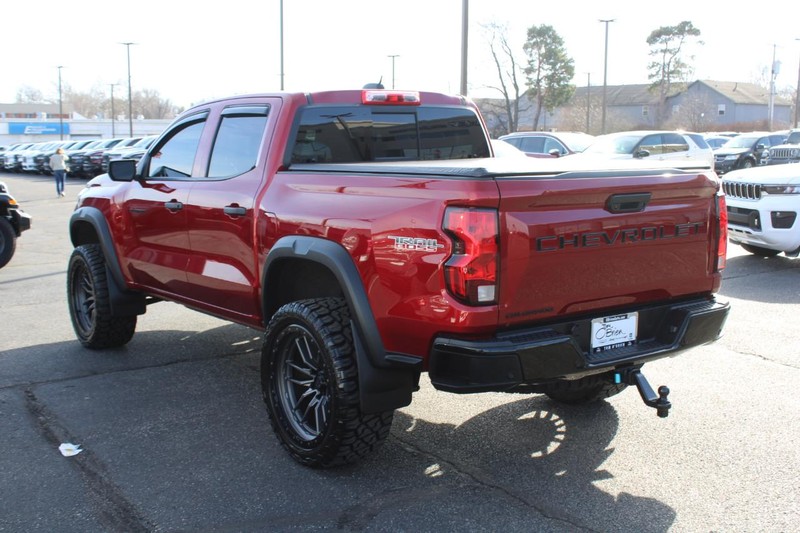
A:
351,134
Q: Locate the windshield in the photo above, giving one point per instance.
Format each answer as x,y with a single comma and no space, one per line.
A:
741,141
614,144
794,138
577,142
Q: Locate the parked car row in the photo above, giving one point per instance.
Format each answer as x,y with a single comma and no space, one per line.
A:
87,158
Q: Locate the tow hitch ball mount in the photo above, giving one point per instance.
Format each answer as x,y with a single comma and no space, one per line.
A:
658,401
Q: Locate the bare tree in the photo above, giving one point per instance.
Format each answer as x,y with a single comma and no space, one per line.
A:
28,95
509,73
696,113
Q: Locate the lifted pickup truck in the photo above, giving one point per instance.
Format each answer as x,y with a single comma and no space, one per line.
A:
372,236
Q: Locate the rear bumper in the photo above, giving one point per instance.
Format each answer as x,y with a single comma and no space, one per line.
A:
561,351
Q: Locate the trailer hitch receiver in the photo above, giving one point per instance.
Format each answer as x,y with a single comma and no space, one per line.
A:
657,401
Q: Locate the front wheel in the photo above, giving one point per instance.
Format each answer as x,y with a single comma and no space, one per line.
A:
759,251
8,241
309,379
90,304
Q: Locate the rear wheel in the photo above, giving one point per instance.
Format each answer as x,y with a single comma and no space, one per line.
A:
586,390
90,304
309,379
759,251
8,241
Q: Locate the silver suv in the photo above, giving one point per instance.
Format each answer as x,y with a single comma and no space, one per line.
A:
788,152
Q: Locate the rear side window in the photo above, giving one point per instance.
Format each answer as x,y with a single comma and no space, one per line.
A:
351,134
238,141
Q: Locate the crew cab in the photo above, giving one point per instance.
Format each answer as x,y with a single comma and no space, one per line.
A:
372,237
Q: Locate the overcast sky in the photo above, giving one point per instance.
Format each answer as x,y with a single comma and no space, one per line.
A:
190,52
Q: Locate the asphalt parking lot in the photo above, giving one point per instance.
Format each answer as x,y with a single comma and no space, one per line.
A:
175,436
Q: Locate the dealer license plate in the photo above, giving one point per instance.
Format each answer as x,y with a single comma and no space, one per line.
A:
612,332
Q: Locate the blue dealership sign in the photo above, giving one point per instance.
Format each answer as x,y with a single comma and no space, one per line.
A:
37,128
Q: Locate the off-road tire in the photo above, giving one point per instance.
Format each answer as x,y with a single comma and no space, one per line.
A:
309,379
8,242
582,391
89,302
759,251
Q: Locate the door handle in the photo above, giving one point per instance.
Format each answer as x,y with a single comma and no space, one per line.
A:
234,210
173,206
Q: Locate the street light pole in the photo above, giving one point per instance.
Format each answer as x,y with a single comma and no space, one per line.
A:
771,105
393,58
130,94
605,74
588,98
797,98
464,33
60,107
113,133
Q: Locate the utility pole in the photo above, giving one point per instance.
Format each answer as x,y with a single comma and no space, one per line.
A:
797,98
393,56
588,98
130,93
281,45
605,75
772,75
464,35
113,132
60,108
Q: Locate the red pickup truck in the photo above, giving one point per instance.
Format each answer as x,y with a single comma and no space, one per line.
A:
372,236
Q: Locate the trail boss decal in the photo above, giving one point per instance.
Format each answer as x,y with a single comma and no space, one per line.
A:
593,239
415,244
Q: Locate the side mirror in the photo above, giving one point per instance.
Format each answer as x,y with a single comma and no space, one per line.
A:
639,154
555,152
122,170
760,147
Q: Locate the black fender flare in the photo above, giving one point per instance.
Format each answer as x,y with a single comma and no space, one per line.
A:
123,301
386,381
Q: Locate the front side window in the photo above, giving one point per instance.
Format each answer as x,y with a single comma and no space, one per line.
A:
175,157
652,144
552,144
238,142
534,145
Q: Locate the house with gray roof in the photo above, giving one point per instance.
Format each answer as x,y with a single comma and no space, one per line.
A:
703,105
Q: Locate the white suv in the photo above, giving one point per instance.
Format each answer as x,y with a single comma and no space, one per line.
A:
660,145
763,203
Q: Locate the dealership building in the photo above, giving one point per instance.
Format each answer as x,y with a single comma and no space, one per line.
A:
42,122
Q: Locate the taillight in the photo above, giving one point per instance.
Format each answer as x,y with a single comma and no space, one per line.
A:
471,271
386,97
722,239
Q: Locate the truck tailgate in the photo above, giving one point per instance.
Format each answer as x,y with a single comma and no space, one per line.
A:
588,241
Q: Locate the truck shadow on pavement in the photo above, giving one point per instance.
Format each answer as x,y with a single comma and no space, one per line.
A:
545,455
